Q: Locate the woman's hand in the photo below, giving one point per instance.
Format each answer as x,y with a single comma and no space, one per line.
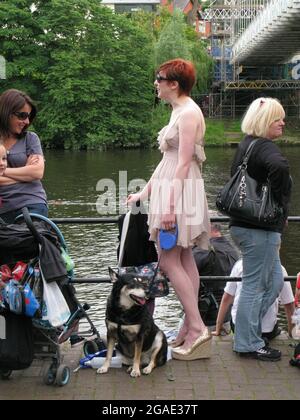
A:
133,198
33,160
168,221
220,331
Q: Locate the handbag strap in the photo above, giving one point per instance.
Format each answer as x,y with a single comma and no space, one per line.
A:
247,155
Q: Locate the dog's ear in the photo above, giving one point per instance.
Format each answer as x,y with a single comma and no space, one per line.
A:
114,276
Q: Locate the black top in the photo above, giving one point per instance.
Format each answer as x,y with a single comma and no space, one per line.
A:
266,161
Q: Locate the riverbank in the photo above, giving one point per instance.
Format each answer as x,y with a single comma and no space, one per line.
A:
228,133
223,377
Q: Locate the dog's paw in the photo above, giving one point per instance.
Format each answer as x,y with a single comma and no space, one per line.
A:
103,369
147,370
134,373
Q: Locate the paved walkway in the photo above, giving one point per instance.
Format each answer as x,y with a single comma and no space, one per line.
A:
224,376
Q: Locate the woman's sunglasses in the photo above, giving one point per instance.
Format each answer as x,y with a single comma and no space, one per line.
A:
160,78
22,115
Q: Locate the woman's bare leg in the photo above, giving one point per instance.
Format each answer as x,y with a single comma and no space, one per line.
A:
171,264
189,265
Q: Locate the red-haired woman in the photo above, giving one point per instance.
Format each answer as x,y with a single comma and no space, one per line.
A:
177,196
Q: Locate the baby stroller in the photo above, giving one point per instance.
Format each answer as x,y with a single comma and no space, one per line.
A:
26,242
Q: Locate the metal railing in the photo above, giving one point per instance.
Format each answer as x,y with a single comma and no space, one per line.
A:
112,220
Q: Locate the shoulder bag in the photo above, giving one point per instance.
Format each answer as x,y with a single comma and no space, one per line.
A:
247,200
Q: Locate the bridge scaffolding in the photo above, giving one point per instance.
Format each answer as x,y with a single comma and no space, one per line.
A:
237,83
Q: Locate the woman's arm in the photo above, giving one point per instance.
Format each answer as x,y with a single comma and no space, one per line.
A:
32,171
226,301
141,196
289,310
7,181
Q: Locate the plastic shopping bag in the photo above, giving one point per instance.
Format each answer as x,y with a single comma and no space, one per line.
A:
55,309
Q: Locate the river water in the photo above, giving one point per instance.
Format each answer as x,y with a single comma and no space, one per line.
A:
71,180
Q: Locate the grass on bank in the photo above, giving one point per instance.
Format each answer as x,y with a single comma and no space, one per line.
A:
222,132
228,132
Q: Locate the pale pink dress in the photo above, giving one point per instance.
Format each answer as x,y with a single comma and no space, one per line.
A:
191,209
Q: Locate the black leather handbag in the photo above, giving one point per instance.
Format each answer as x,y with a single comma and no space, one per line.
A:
247,200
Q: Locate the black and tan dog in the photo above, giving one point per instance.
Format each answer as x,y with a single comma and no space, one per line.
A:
131,326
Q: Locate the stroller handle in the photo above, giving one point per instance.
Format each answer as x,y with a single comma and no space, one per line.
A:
46,220
31,226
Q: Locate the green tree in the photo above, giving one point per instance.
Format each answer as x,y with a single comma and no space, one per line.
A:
178,39
202,60
172,42
99,90
90,71
21,47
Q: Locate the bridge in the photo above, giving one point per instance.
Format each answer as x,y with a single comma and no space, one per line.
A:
256,48
272,35
261,31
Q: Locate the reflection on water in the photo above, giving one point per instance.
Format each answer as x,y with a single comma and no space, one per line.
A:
70,181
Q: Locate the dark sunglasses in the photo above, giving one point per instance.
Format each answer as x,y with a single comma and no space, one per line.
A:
22,115
160,78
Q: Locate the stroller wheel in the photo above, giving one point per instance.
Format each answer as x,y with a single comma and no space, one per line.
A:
5,373
49,374
90,347
63,375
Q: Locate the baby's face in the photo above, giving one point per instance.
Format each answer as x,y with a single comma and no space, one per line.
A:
3,160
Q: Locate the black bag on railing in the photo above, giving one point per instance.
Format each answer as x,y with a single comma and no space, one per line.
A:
152,278
245,199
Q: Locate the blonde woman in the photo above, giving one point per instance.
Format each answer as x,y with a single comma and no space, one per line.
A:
262,273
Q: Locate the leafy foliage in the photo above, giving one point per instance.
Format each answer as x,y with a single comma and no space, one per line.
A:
178,39
172,42
90,70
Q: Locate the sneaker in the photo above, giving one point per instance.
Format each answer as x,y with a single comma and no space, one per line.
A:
265,354
76,340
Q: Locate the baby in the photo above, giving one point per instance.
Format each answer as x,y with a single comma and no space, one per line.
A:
3,159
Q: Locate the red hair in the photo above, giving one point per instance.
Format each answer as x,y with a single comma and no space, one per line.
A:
182,71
